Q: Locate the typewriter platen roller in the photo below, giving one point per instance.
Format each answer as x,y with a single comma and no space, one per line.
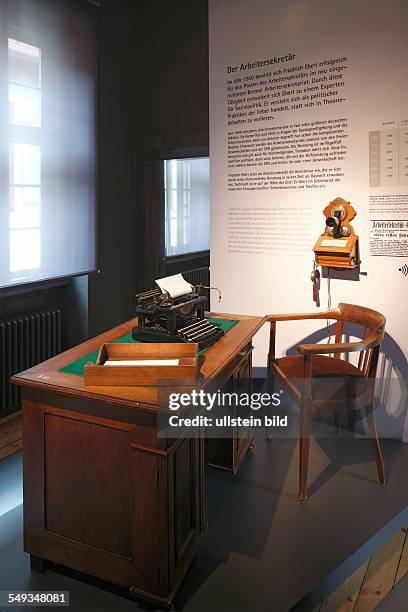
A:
174,312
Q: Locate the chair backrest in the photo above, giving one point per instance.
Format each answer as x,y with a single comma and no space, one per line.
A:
373,325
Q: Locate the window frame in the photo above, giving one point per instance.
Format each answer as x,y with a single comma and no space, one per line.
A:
149,183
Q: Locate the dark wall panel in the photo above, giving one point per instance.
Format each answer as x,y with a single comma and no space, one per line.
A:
153,97
171,75
110,291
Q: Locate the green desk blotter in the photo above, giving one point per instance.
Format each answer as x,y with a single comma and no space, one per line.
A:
77,367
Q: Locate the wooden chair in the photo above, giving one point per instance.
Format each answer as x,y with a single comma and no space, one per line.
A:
306,376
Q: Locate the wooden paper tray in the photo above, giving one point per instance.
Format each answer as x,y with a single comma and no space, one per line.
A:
139,375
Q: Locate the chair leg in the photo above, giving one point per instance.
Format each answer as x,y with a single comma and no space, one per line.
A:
337,424
304,427
351,405
304,445
271,383
372,432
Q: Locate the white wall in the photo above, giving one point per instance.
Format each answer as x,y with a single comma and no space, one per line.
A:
369,40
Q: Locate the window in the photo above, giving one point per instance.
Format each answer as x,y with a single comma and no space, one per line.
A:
24,97
187,205
47,140
24,86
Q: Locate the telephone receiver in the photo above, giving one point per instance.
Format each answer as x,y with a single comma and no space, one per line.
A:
315,278
334,226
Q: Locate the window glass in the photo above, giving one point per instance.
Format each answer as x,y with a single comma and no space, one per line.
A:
24,63
47,131
24,105
24,98
187,205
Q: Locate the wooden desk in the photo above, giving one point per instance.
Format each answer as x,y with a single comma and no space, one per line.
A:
102,493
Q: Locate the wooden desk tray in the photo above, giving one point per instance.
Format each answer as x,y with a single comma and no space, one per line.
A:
142,375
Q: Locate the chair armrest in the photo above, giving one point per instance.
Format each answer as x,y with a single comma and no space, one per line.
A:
340,347
272,319
329,314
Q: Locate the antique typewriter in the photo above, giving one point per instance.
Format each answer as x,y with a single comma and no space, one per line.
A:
174,312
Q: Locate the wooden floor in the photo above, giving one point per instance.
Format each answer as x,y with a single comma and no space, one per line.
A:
11,437
371,582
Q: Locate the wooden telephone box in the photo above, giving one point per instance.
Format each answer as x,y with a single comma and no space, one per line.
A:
337,247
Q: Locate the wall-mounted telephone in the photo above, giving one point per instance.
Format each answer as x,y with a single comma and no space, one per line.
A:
337,247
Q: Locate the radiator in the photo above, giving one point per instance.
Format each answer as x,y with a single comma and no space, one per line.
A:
199,276
25,340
